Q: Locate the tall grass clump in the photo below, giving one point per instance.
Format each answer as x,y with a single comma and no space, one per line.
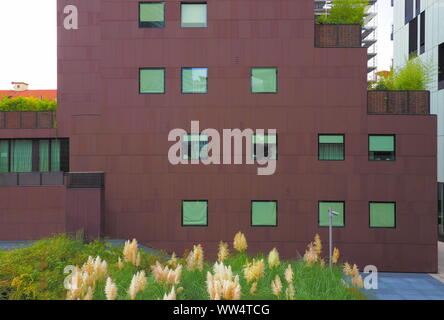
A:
345,12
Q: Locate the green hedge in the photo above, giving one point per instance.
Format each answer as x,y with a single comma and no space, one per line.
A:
345,12
27,104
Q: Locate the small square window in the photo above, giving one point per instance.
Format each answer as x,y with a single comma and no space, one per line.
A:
151,14
381,148
264,80
195,147
195,213
331,147
336,206
382,215
194,80
152,80
194,15
264,213
265,146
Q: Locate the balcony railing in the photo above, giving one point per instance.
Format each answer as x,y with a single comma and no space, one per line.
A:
86,180
27,119
26,179
338,36
398,102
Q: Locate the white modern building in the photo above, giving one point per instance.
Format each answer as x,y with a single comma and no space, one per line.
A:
419,31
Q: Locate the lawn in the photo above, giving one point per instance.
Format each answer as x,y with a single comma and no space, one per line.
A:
110,272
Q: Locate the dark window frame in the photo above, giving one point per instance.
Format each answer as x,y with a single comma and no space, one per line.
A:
181,80
197,225
319,213
277,79
422,33
331,134
413,37
383,135
369,215
150,24
441,66
152,68
264,226
191,3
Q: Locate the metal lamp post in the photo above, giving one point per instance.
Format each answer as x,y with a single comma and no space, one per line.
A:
331,214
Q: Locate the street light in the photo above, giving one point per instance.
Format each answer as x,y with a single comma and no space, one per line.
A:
331,214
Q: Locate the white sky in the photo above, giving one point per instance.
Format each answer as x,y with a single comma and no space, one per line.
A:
28,37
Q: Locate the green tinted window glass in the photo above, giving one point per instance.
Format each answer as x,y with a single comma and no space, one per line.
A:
265,146
152,15
264,80
264,213
4,155
194,80
382,215
152,81
338,221
55,155
331,139
194,15
382,143
44,155
195,147
195,213
21,156
331,147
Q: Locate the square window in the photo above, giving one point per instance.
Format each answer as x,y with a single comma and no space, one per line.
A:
264,80
195,147
195,213
331,147
382,215
337,220
381,148
264,147
194,15
151,14
194,80
264,213
152,80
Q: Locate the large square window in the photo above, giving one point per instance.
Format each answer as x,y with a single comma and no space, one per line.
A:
265,147
152,80
264,80
331,147
336,206
151,14
382,215
194,15
264,213
195,213
195,147
194,80
381,148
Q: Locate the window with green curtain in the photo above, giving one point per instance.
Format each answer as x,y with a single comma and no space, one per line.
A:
194,80
337,221
265,146
331,147
264,213
4,156
21,156
194,15
381,147
151,15
264,80
195,147
44,155
152,80
194,213
382,214
55,155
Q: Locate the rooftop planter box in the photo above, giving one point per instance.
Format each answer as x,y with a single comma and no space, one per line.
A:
338,36
398,102
27,119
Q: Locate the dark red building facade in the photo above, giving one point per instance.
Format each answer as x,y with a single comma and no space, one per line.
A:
381,176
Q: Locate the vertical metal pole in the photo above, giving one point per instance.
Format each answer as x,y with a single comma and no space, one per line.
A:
330,235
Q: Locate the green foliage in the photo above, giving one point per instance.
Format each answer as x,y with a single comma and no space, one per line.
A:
27,104
345,12
414,75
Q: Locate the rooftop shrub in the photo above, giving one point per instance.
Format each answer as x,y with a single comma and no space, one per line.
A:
27,104
345,12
